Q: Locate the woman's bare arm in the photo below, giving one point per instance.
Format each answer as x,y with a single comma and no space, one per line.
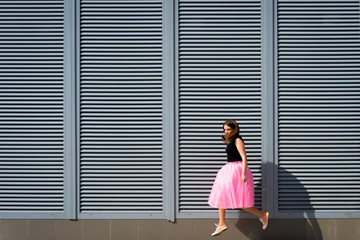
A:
241,148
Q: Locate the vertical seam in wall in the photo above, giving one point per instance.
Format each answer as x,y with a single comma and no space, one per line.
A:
110,229
333,228
27,230
138,229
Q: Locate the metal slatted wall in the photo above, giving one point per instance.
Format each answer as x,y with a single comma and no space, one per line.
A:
31,109
319,106
219,79
121,107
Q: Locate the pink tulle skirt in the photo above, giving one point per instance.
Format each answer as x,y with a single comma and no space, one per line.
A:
228,191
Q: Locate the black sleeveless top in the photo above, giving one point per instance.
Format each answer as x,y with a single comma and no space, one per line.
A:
232,152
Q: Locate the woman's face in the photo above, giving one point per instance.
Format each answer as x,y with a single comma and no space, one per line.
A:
227,130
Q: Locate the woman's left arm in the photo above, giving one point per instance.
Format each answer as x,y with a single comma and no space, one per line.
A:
241,148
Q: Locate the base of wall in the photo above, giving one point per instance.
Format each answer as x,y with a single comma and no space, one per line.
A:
182,229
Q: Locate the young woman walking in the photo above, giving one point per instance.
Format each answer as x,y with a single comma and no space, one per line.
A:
234,185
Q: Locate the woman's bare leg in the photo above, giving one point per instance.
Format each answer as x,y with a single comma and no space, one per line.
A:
255,211
262,215
221,227
222,213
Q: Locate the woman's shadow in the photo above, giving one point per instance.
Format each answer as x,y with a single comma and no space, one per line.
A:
303,227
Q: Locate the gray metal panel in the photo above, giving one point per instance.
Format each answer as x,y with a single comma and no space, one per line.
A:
318,108
121,116
169,201
70,107
32,110
268,105
219,79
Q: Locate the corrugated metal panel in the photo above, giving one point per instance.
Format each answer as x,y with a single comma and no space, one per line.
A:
319,106
31,107
219,79
121,106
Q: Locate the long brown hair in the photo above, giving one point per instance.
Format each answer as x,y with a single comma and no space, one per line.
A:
234,126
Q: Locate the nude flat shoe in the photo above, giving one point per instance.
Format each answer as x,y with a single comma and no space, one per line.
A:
266,220
218,230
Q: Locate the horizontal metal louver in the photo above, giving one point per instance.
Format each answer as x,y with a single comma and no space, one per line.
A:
31,108
121,106
319,106
219,79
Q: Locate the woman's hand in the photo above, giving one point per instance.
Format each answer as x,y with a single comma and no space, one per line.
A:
243,178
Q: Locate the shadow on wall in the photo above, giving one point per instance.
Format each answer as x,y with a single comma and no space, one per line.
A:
306,228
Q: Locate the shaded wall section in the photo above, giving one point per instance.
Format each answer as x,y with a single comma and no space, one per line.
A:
194,229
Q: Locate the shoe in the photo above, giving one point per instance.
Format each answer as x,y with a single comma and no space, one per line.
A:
218,230
266,220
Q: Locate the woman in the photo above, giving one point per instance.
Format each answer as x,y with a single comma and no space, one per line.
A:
234,185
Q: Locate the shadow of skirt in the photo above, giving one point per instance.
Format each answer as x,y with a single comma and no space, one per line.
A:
228,191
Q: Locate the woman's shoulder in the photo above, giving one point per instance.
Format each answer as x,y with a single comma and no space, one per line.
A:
235,140
239,139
